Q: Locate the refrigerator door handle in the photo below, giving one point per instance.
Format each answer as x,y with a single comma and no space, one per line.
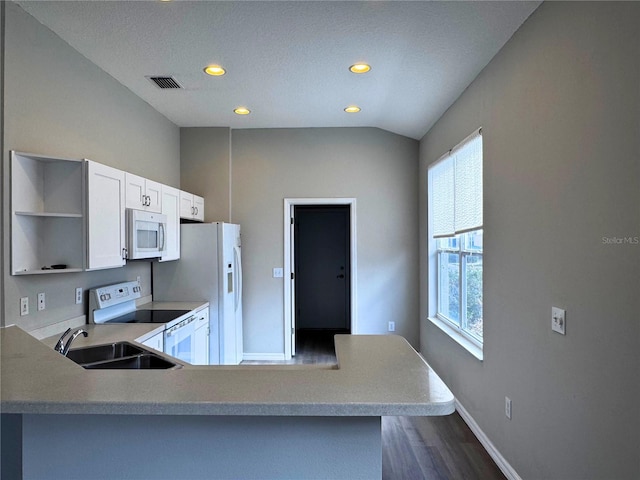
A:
238,278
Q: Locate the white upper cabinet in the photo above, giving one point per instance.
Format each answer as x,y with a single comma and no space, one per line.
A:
47,214
198,204
143,194
191,207
105,216
171,208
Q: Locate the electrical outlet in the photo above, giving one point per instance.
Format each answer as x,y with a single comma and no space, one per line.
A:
392,326
558,320
138,279
278,273
24,306
507,407
41,304
78,296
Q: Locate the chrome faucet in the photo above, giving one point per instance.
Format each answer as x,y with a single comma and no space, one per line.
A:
63,347
60,345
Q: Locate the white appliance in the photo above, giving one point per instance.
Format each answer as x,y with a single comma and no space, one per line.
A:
180,340
209,269
146,234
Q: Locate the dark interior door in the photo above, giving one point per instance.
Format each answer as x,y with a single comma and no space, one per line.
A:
322,267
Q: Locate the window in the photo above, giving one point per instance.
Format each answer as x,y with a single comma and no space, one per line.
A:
456,241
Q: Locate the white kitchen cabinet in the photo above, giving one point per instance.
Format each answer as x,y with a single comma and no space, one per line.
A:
106,247
191,207
171,208
201,353
142,193
47,214
156,342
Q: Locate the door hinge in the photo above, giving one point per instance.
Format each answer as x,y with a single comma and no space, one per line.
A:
293,276
292,220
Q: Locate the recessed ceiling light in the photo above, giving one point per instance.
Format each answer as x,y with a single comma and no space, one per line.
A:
352,109
360,68
242,111
214,70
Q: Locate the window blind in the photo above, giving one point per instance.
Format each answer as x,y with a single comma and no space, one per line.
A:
442,194
456,189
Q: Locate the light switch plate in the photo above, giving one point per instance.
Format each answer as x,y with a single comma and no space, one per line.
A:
558,320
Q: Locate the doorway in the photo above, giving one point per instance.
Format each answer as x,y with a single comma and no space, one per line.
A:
320,249
321,275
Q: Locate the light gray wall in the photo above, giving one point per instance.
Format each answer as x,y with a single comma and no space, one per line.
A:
58,103
376,167
560,112
205,169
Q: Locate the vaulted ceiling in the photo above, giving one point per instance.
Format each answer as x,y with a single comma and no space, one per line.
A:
288,61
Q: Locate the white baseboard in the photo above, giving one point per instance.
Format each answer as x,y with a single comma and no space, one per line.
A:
268,357
491,449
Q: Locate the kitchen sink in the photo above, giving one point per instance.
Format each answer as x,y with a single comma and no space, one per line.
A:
100,353
144,361
119,355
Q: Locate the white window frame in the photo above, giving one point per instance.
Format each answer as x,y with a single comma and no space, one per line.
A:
472,344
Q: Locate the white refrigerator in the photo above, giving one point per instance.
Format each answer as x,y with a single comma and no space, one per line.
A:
209,269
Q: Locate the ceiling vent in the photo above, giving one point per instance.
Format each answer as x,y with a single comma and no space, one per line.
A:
165,82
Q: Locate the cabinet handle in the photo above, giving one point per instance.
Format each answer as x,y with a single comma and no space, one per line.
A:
193,211
196,210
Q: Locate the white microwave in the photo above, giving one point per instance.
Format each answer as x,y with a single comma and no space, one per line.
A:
146,234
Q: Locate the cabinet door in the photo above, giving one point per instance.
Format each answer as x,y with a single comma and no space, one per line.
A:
156,342
171,208
105,216
153,191
135,192
186,205
201,354
198,208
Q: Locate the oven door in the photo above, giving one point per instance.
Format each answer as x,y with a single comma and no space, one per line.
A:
180,340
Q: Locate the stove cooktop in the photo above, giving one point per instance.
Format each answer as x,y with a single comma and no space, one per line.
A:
149,316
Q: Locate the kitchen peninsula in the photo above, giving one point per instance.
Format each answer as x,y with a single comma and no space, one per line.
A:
258,421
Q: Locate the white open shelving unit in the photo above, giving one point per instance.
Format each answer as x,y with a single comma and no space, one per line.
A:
47,214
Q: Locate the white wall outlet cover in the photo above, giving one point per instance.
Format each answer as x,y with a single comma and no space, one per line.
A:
392,326
78,296
24,306
278,272
41,301
558,320
507,407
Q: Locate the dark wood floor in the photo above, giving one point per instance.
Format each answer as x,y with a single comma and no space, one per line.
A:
434,448
413,448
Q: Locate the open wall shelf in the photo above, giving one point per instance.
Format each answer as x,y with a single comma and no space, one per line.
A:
47,214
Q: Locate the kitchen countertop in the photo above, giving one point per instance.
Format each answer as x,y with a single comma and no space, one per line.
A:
376,375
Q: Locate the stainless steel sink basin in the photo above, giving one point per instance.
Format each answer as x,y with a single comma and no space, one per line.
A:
119,355
144,361
101,353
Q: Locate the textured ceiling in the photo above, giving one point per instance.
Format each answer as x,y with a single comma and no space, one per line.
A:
288,61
